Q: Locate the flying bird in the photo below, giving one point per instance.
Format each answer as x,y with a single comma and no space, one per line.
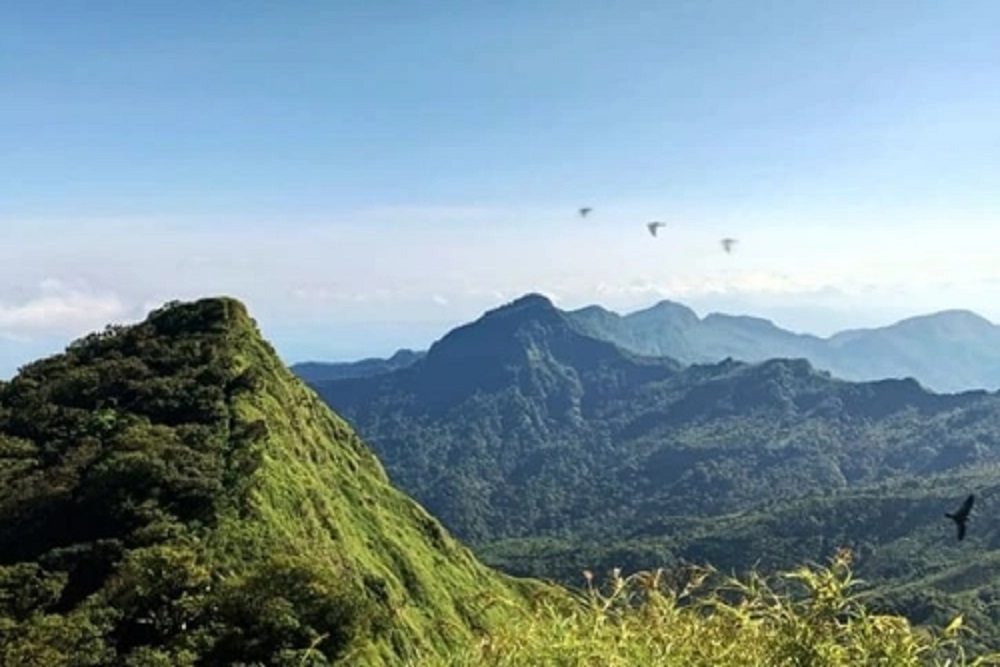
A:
962,515
584,211
653,226
727,244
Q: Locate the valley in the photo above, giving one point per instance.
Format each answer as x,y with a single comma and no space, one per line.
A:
552,451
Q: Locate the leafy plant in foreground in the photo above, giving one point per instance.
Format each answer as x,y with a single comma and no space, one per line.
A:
695,616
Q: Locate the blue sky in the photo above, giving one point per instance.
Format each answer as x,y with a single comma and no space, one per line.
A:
367,175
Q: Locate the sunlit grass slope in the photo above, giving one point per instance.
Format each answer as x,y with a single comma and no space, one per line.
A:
321,494
170,494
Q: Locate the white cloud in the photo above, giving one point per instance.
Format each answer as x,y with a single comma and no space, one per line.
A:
692,285
60,309
390,266
478,293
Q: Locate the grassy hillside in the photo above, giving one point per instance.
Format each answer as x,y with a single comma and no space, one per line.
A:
171,495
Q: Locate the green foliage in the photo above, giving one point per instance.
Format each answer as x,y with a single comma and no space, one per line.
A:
170,494
551,451
75,639
693,616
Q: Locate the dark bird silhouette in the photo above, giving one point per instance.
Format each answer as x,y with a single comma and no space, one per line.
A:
727,244
584,211
653,226
962,515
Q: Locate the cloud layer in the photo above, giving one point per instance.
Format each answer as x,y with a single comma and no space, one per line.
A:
411,269
58,309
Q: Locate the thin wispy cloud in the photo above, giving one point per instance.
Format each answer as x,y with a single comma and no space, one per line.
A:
853,166
60,309
355,273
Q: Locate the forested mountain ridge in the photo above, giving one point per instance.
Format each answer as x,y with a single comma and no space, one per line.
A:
548,467
548,425
171,494
948,351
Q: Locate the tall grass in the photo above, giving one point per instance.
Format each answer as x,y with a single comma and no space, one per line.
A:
811,616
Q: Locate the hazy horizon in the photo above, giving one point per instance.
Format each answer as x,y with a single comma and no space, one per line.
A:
386,338
366,178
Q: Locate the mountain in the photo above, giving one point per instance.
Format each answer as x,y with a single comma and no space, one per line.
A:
170,494
948,351
552,450
674,330
498,402
318,371
521,423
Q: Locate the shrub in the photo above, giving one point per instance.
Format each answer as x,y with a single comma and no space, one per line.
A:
695,617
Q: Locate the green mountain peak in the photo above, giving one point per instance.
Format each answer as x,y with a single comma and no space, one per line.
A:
171,494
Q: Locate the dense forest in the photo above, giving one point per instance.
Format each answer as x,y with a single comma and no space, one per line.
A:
172,495
551,450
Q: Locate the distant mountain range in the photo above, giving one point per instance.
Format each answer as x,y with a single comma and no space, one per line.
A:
948,351
552,423
552,449
318,371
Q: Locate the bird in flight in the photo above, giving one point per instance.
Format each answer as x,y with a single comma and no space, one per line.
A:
584,211
962,515
653,226
727,244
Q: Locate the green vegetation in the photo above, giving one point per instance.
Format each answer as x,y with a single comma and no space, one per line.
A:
694,617
551,452
171,495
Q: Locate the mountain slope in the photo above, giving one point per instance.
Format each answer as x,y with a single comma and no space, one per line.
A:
521,424
674,330
171,494
948,351
502,404
319,371
728,462
904,548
